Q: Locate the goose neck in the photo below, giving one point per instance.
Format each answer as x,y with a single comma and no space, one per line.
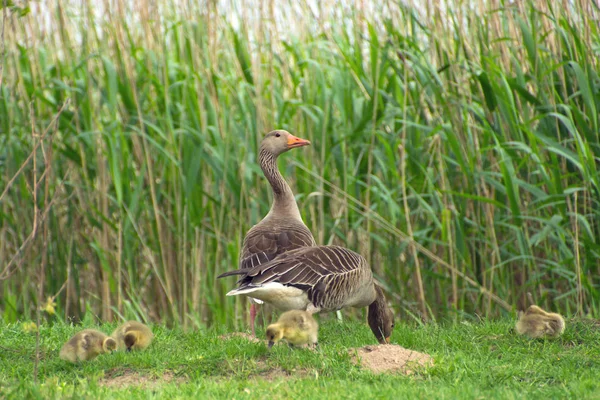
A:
378,315
284,203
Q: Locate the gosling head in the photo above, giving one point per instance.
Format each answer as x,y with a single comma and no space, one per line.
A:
280,141
274,334
130,340
381,318
109,344
557,325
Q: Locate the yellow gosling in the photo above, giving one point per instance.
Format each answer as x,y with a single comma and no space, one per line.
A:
296,327
537,323
86,345
133,335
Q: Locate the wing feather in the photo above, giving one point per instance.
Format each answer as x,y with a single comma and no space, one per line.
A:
329,274
267,240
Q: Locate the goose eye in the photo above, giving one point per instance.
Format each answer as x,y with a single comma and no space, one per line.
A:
277,134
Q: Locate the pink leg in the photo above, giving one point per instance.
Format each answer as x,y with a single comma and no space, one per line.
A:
252,318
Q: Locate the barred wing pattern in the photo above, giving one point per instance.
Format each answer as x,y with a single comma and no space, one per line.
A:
333,277
271,238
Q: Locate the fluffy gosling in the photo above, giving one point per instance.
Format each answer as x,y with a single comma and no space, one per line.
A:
86,345
537,323
296,327
133,335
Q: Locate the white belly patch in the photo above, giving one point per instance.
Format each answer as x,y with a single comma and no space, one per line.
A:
282,297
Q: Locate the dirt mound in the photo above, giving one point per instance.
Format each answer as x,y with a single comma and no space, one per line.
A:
390,358
126,378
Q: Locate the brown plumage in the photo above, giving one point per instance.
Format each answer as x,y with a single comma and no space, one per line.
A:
296,327
133,335
537,323
282,229
86,345
318,278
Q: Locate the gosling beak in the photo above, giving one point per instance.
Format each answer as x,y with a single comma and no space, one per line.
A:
128,349
271,343
294,141
387,340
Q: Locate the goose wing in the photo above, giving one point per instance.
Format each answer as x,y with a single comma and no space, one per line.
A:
328,274
265,242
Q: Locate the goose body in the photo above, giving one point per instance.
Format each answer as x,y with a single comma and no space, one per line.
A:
297,327
282,229
86,345
272,236
318,278
133,335
537,323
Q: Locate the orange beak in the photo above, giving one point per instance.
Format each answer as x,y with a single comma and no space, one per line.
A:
294,141
387,340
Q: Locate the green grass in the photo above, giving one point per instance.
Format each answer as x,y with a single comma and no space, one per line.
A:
472,360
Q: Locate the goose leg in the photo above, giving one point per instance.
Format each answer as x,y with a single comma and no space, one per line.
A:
252,318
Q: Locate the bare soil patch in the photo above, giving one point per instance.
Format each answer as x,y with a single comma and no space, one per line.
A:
242,335
269,373
120,378
390,358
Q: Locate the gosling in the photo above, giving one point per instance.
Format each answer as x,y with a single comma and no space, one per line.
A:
296,327
133,335
86,345
537,323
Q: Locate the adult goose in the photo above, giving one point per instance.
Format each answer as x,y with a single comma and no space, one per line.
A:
282,229
318,278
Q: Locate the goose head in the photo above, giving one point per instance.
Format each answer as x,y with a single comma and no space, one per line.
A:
280,141
274,334
109,344
130,339
381,318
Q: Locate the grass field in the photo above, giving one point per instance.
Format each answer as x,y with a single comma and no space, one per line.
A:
472,360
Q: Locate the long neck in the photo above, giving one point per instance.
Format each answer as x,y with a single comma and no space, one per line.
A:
377,315
284,202
379,302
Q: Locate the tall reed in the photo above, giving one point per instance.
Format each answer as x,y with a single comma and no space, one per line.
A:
455,145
